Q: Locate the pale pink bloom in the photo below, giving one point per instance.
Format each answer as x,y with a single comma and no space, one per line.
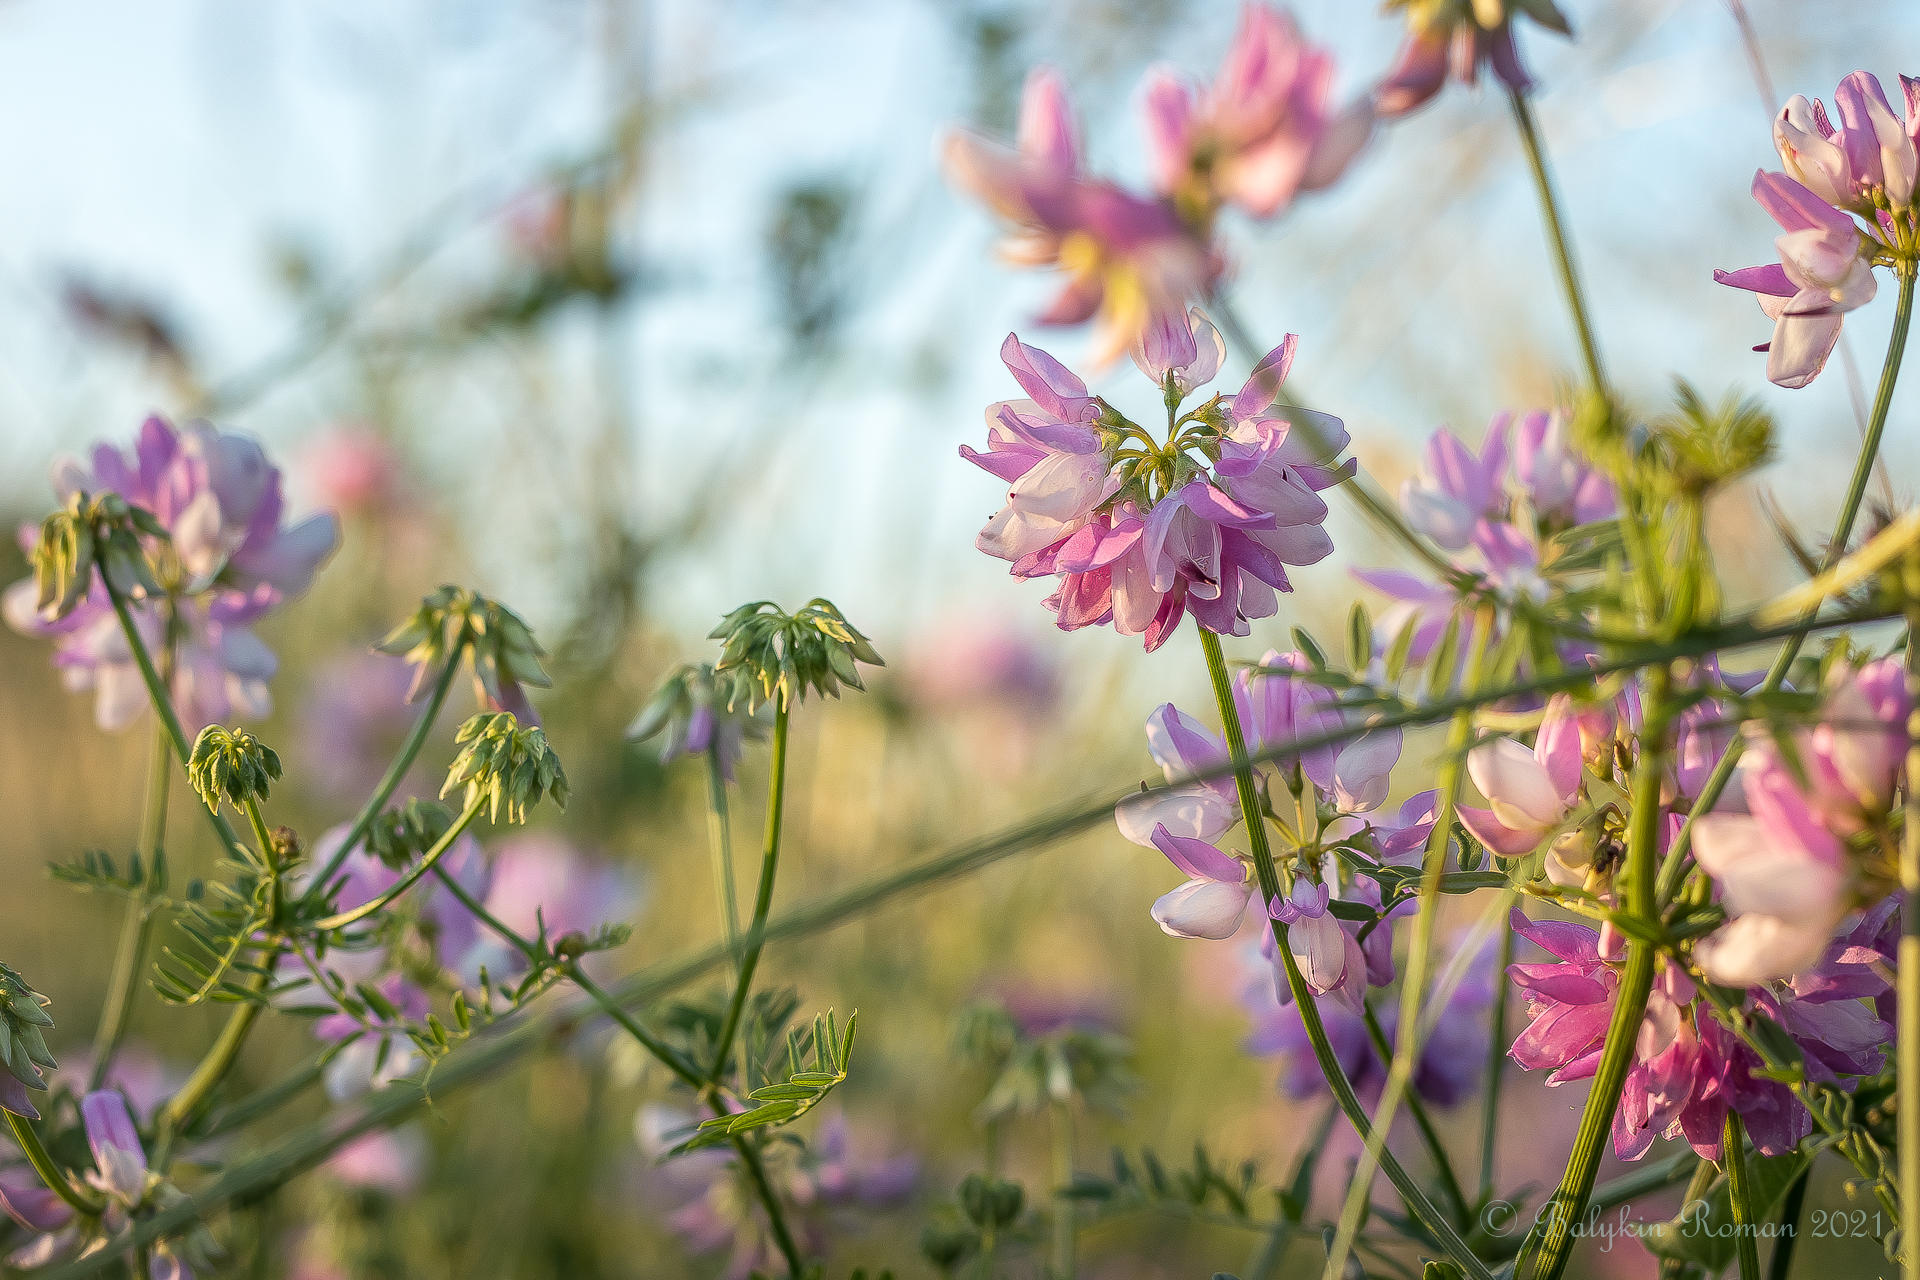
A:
1279,709
1558,482
392,1160
1261,132
1329,958
1417,601
1532,792
1825,270
1213,900
350,468
1128,259
1181,746
1867,162
1859,745
1187,347
1781,874
1456,490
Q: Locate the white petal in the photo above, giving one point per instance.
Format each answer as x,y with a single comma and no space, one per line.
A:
1203,909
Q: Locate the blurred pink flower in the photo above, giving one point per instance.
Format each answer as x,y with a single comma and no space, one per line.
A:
392,1160
1457,491
540,878
1559,484
1532,790
350,468
966,662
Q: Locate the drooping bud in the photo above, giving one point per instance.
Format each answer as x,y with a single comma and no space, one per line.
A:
503,764
785,653
231,764
91,532
501,651
23,1045
698,709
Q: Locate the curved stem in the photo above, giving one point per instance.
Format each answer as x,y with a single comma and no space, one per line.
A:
135,930
783,1237
1496,1061
1557,236
720,838
398,769
1449,1182
486,917
219,1060
688,1072
407,881
1675,864
1303,997
1733,1149
1550,1244
1406,1056
763,899
49,1172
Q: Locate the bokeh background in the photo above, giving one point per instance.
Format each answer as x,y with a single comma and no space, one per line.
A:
629,312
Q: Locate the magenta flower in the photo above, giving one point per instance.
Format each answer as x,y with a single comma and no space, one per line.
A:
1128,259
1260,133
1532,791
1559,485
231,562
1448,40
1857,750
1865,165
350,468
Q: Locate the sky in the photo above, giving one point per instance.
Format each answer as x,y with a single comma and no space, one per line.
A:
174,148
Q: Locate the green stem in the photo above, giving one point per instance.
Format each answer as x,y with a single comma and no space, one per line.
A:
1449,1182
1781,1263
757,1172
213,1068
1551,1244
1065,1220
763,899
163,707
1406,1056
407,881
1496,1061
261,835
129,956
1908,1057
397,770
676,1062
1557,236
49,1172
1303,997
1675,864
720,838
1733,1149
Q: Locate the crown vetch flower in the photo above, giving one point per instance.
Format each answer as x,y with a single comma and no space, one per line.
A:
1559,485
1456,490
1458,37
1532,791
1214,901
1127,259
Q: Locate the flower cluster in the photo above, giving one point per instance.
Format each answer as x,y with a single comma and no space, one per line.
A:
1845,205
1457,38
1142,532
226,560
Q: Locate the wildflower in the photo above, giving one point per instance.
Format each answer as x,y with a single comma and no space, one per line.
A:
1532,791
1196,810
392,1160
1457,491
350,468
968,663
701,710
1328,956
1559,485
1128,259
1214,901
1458,37
227,563
1261,132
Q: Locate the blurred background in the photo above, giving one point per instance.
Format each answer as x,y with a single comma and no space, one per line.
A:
629,312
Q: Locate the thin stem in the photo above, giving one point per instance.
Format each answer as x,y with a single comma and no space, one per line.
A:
219,1060
1908,1058
720,838
261,835
1551,1243
129,956
1557,237
763,900
1065,1219
398,769
688,1072
1675,864
1406,1056
1449,1183
1781,1262
49,1172
1430,1216
406,882
757,1172
1496,1061
1733,1149
486,917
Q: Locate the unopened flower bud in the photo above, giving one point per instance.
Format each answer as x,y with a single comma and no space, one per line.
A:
786,654
23,1046
571,945
501,651
231,764
503,764
946,1247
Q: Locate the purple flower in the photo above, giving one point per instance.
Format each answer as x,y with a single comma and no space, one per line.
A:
1328,956
1213,902
119,1159
828,1174
353,721
1532,790
1457,491
1180,745
696,710
231,561
1458,39
1866,164
968,663
1559,485
1128,259
392,1160
1259,133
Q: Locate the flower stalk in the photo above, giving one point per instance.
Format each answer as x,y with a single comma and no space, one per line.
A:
720,839
1496,1056
763,899
1733,1146
1908,1055
130,954
1550,214
42,1162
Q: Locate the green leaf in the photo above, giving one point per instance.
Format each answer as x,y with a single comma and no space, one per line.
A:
1359,637
1311,651
1444,662
1401,649
1704,1232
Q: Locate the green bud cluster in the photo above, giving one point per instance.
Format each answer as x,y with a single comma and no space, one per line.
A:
86,533
689,688
773,651
23,1019
231,764
502,650
992,1202
503,764
404,832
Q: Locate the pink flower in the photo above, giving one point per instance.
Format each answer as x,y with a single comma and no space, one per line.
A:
220,501
1457,491
542,880
1447,39
1128,259
1213,902
1351,774
1559,484
1857,750
1868,163
350,468
389,1159
1532,792
1198,810
1260,133
1328,956
1781,875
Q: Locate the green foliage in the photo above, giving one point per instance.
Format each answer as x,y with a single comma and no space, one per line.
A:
96,872
786,1101
775,652
689,689
233,765
1700,447
405,832
222,934
1095,1066
89,532
23,1020
501,650
1704,1232
504,765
